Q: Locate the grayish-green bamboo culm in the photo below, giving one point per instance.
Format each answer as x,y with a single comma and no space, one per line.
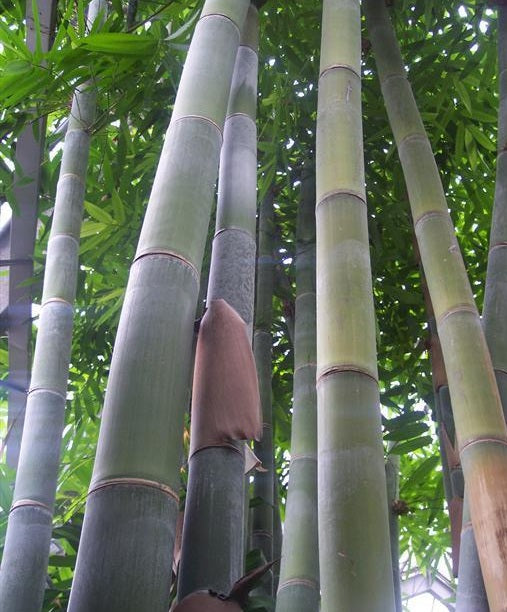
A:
479,421
298,590
213,533
26,552
125,554
263,489
354,549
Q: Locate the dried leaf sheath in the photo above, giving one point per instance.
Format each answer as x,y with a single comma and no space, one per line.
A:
225,400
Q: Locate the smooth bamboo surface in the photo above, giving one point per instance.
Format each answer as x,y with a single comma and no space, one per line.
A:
299,589
263,489
139,448
479,420
470,593
26,552
393,494
354,548
212,554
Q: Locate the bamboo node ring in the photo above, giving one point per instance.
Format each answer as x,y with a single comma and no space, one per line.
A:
429,214
171,254
497,245
139,482
309,364
57,300
414,136
481,440
312,584
63,235
202,117
345,367
308,456
46,390
223,16
30,502
246,115
455,310
72,175
337,67
337,192
232,228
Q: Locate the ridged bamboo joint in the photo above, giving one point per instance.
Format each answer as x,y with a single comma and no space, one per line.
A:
478,416
132,505
354,548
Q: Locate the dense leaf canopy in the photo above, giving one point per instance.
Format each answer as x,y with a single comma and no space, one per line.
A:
450,53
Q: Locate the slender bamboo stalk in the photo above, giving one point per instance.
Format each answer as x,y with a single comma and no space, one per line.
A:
125,554
298,590
480,425
26,553
23,231
277,530
393,493
354,550
213,532
263,491
470,595
451,467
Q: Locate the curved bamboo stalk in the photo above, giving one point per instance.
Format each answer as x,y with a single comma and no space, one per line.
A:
298,589
26,553
479,421
354,550
263,491
125,553
213,532
470,595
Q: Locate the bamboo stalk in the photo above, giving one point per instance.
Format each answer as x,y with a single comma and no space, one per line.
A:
125,553
470,595
298,589
354,549
479,421
393,493
26,553
263,491
213,532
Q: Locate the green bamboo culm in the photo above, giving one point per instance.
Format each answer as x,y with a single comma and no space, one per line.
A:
125,554
263,489
26,552
393,494
298,589
470,595
480,426
354,550
213,532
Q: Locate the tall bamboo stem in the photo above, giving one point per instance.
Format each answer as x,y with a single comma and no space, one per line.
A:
262,515
213,531
479,421
354,550
298,589
26,553
393,493
470,595
125,554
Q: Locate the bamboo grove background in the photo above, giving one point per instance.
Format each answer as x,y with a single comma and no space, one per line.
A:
450,53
